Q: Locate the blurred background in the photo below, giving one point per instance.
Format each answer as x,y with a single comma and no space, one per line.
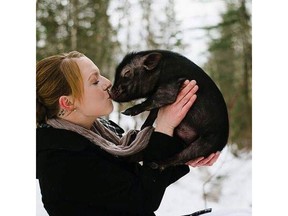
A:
214,34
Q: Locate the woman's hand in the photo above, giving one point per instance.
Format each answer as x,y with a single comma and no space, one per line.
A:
201,161
170,116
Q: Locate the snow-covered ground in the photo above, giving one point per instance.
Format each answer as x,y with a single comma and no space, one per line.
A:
227,186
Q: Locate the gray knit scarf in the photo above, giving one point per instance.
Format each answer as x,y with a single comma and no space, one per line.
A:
131,143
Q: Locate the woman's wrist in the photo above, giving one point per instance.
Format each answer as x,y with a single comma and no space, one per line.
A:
164,129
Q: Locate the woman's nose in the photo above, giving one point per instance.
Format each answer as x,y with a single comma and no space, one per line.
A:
107,84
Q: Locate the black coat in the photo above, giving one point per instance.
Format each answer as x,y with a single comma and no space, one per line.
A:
77,178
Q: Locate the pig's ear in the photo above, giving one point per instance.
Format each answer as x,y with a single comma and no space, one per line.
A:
151,60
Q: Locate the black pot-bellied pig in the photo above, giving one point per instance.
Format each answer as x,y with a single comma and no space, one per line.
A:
158,75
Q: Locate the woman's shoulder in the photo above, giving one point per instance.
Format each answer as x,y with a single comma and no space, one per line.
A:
48,137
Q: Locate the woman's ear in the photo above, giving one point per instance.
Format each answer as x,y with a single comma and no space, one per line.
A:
65,102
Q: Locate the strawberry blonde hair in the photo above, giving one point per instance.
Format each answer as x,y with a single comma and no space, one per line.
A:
56,76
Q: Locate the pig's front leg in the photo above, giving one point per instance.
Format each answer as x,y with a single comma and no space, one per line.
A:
165,94
150,118
139,108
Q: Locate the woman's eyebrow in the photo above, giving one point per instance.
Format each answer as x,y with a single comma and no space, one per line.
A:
94,73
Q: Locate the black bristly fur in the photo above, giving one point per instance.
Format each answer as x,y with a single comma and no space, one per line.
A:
158,75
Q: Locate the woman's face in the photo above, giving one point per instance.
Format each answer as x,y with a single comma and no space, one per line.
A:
95,101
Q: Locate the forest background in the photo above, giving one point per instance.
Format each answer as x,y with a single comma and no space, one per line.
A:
105,30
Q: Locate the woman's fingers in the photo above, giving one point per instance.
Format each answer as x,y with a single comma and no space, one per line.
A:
186,82
213,159
201,161
205,161
187,105
194,163
186,101
189,88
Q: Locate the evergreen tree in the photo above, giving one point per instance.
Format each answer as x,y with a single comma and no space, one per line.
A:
83,25
230,65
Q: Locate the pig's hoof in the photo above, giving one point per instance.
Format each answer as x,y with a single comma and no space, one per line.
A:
130,112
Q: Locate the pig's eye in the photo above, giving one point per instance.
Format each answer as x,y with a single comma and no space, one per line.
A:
127,73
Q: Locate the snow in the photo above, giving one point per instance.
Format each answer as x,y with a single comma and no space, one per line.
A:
227,185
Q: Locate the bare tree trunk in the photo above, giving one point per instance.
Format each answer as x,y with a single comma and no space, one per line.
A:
73,16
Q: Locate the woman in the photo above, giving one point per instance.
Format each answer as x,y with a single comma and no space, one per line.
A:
84,168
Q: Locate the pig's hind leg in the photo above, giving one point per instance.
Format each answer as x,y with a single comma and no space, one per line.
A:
185,132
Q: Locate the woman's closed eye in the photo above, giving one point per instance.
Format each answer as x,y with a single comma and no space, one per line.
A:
95,82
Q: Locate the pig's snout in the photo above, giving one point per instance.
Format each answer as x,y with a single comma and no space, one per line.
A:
114,93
